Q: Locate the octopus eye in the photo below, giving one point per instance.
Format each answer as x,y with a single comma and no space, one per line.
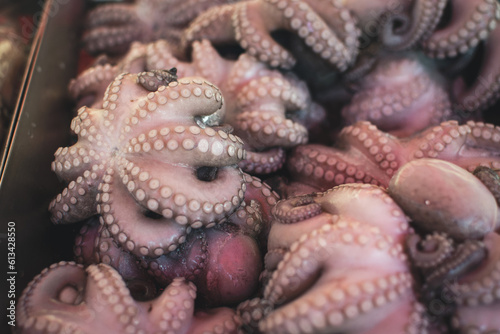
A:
152,215
206,173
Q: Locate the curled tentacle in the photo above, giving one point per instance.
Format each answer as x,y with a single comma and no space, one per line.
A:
411,29
466,256
429,252
296,209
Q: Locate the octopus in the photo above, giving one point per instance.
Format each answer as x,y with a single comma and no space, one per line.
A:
471,24
332,30
336,263
136,165
458,257
66,297
250,23
364,154
401,95
371,236
270,111
111,28
223,261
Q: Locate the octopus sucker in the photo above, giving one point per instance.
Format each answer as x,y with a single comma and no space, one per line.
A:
378,207
268,109
471,22
485,91
252,21
306,287
365,154
112,28
67,297
401,95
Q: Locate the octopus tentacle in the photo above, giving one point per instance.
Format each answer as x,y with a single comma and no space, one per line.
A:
484,91
110,14
153,79
201,98
400,96
263,162
252,20
191,145
89,84
466,30
155,187
187,261
335,240
77,201
113,27
94,244
149,238
77,157
476,293
424,18
65,297
114,39
431,251
490,179
313,164
467,255
362,153
267,108
268,129
214,24
480,146
379,208
296,209
159,54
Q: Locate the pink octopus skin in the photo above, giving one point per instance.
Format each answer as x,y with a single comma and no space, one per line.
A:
268,110
223,261
470,213
336,264
111,28
68,298
400,95
364,154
